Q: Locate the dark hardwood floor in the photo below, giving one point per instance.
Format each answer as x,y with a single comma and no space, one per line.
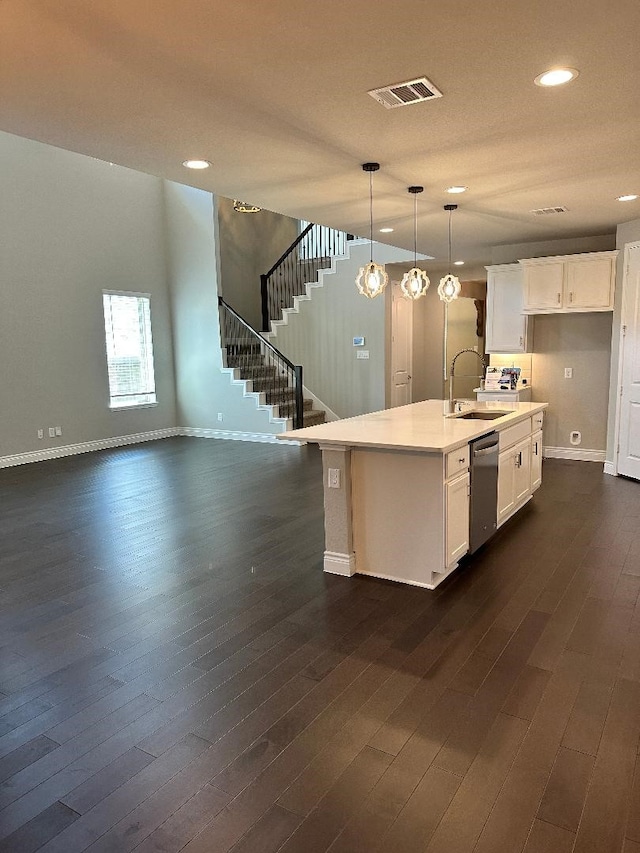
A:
177,673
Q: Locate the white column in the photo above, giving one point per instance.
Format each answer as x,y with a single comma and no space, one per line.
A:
339,557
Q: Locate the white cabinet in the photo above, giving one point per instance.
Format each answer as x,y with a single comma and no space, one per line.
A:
569,283
519,465
507,327
456,518
536,460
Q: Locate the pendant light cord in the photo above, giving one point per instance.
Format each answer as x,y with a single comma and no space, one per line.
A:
415,230
449,242
371,213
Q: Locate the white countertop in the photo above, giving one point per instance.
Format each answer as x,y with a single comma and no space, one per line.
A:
418,426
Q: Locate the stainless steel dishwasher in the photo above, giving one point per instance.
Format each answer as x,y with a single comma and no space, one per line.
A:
483,510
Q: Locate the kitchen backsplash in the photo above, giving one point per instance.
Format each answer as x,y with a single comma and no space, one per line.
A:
521,360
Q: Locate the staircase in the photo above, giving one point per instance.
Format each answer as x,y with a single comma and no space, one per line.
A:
254,367
269,375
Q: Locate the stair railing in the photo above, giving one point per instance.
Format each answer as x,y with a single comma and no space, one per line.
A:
247,349
310,252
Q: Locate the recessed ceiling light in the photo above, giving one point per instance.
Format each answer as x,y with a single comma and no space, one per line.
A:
627,198
458,263
457,189
386,230
556,77
196,164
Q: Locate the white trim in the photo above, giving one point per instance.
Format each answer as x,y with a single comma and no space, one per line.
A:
623,312
336,563
574,453
610,468
319,405
232,435
86,447
421,584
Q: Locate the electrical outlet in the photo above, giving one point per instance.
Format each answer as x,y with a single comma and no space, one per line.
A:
52,432
219,416
568,373
58,430
40,433
334,478
575,437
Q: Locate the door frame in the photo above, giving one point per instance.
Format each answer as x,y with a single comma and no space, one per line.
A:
392,345
621,340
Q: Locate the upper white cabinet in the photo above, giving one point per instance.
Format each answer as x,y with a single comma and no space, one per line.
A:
507,327
569,283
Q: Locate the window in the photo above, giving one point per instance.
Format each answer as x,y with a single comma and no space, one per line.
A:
127,323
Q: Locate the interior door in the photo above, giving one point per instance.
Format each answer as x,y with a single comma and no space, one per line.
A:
401,347
629,422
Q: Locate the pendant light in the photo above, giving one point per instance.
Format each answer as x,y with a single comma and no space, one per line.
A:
449,287
415,283
372,278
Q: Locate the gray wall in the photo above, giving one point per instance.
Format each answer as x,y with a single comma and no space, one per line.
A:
249,244
583,342
203,391
72,227
320,337
628,232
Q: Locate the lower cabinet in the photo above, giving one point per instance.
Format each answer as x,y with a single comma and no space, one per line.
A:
536,460
514,478
457,518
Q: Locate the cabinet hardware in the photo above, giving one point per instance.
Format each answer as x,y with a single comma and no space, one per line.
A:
518,460
460,461
570,296
559,300
521,341
536,450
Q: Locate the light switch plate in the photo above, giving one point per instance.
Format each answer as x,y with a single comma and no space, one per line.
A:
363,353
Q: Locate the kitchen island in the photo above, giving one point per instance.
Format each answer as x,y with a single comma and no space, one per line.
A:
396,484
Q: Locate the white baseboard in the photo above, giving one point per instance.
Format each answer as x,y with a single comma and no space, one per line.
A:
574,453
86,447
610,468
232,435
336,563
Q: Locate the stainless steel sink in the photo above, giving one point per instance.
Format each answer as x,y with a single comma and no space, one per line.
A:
482,416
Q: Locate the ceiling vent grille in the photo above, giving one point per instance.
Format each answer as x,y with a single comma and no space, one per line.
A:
403,94
545,211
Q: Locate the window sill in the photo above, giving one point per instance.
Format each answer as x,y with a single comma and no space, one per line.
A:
131,406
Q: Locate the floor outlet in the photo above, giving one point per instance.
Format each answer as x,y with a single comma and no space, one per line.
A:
575,437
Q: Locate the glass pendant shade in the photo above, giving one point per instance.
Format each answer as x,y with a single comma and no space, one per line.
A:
371,280
449,288
415,283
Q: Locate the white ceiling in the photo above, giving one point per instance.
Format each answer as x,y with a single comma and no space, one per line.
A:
273,92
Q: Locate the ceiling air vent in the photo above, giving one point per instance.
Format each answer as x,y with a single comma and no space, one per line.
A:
403,94
545,211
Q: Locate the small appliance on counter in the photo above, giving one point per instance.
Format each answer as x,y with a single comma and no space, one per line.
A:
504,383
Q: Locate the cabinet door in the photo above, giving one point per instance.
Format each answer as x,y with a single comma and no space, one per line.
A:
536,460
506,324
589,284
506,486
522,470
543,286
457,518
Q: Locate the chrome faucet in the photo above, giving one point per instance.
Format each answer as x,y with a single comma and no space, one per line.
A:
452,402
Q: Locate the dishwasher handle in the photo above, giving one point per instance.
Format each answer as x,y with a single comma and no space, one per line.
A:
486,451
